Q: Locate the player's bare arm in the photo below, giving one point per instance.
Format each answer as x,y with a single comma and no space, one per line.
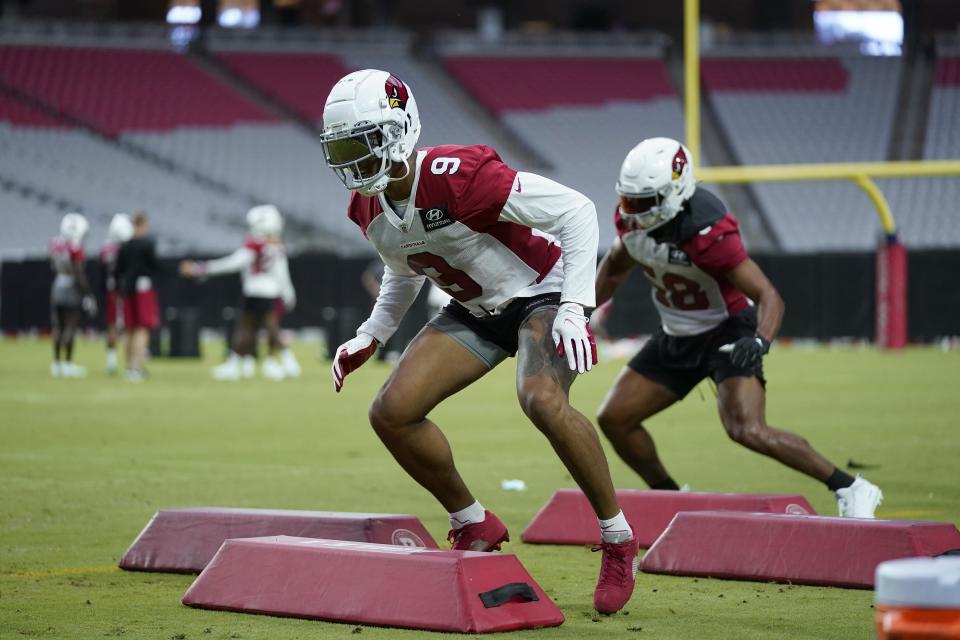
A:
750,279
613,270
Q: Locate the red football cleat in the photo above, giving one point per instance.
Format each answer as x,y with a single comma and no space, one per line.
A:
618,570
480,536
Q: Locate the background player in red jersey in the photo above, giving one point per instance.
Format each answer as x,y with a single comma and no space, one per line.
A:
705,288
120,230
70,293
517,252
262,263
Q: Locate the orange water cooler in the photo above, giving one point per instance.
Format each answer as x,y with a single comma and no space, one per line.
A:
918,599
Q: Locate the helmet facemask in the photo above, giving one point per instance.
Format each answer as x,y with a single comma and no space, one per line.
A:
360,156
650,211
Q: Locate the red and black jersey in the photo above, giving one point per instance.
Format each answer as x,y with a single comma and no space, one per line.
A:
686,261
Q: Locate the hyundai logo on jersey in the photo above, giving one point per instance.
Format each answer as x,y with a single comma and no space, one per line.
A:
397,94
435,218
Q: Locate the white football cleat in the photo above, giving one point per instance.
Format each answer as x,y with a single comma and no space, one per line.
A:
111,362
55,369
71,370
290,365
248,368
229,370
272,369
859,500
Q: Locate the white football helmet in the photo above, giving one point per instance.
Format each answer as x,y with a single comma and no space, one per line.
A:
121,228
656,178
74,227
370,122
265,220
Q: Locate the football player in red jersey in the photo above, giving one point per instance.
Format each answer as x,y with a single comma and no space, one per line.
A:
517,252
120,230
707,291
69,294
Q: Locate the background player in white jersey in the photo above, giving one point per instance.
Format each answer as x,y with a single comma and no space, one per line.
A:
120,230
705,288
70,294
262,263
517,252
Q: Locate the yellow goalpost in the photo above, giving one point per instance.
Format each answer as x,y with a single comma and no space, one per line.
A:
891,260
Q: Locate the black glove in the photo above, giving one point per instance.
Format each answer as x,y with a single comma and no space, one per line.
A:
747,352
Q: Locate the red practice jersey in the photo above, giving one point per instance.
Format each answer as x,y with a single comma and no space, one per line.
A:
687,265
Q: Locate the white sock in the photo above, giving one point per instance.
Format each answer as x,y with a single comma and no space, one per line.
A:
616,529
471,515
111,358
286,355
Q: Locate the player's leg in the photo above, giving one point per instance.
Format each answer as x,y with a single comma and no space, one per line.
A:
111,348
71,323
634,398
57,337
272,367
543,387
741,401
140,341
272,326
433,367
288,361
245,333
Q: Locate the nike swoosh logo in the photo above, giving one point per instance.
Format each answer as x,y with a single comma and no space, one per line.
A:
519,188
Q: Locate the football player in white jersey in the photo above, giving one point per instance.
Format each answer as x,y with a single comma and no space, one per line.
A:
707,292
70,293
517,253
262,262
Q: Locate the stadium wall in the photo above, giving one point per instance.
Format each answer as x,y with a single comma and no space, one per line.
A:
828,295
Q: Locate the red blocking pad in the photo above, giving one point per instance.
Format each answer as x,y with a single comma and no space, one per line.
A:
184,540
817,550
361,583
568,518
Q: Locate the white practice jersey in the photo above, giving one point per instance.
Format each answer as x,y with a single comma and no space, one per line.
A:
482,232
690,289
63,255
263,266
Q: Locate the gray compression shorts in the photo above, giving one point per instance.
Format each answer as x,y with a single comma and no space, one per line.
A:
492,339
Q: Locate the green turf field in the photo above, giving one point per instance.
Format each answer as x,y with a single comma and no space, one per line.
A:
85,463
